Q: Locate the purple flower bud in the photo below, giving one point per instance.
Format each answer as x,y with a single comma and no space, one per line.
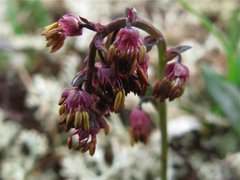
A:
175,71
172,84
128,57
131,14
70,25
139,126
128,40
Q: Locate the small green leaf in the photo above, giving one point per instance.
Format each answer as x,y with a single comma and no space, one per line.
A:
183,48
171,53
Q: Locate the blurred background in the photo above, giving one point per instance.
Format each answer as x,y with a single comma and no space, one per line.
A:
204,124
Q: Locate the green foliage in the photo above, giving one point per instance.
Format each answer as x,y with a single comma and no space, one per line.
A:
3,60
224,91
225,94
229,39
26,15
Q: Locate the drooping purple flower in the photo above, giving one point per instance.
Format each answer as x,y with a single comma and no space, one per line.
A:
131,14
175,71
54,36
71,25
128,58
75,109
139,126
172,84
128,40
75,99
56,33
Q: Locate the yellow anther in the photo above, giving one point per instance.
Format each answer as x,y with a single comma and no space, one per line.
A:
111,52
86,123
78,120
69,121
119,101
50,27
142,54
62,109
61,100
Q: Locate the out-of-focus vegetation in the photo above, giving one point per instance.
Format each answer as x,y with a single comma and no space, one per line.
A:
204,124
224,89
26,16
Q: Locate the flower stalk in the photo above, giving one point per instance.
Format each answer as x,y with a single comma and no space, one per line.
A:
117,64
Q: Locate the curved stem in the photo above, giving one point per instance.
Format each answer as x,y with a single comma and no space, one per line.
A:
113,26
91,62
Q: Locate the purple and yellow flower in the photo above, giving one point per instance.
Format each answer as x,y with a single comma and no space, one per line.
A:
172,84
127,50
56,33
176,72
74,109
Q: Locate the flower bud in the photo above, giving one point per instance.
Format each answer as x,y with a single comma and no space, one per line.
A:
70,25
172,83
139,126
176,70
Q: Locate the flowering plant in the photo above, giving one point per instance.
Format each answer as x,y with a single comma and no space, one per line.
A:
117,64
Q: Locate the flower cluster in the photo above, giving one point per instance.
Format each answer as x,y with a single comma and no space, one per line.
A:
116,65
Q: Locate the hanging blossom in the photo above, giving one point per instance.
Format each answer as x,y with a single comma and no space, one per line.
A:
139,126
117,64
172,84
75,106
56,33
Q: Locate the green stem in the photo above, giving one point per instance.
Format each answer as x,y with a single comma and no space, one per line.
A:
162,111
